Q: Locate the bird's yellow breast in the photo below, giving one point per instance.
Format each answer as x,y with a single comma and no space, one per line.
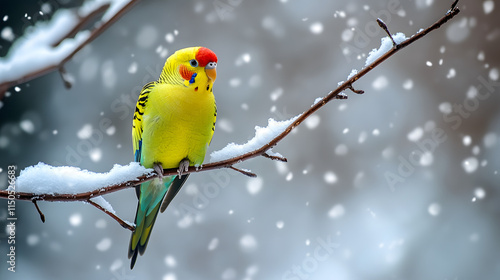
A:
178,124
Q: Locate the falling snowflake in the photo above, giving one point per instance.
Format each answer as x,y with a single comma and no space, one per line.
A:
248,242
312,122
104,244
434,209
75,219
426,159
316,28
170,261
280,224
479,193
415,134
336,211
488,6
85,132
470,164
330,177
254,185
213,244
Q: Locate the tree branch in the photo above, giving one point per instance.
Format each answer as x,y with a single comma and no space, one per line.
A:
120,221
99,28
262,151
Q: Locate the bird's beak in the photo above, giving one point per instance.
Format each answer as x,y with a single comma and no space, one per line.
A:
211,71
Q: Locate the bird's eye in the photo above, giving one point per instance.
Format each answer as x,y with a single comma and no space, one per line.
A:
193,62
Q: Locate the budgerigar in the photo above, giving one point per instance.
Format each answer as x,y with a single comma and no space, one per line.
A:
173,124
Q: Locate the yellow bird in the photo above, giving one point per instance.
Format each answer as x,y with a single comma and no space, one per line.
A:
173,124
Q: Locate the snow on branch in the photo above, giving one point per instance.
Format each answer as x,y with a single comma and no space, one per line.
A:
263,135
49,45
44,182
67,183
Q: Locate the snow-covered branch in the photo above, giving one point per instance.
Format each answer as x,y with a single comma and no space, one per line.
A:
44,182
49,45
66,183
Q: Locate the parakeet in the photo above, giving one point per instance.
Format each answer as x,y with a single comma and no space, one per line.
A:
173,125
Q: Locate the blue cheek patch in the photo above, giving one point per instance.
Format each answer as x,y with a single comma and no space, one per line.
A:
192,78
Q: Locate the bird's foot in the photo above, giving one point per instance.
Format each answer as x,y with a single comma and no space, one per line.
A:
159,170
183,166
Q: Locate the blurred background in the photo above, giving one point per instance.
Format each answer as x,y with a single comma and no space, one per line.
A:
398,183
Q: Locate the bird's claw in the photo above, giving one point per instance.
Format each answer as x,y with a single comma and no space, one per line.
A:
159,170
183,167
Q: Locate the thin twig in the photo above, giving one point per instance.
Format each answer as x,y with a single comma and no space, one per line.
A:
81,24
244,172
275,157
120,221
386,29
42,216
98,30
64,77
357,91
228,163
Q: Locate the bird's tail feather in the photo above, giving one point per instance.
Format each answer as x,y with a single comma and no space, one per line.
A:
151,196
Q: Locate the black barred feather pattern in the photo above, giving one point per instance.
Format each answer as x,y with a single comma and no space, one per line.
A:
137,121
141,103
215,118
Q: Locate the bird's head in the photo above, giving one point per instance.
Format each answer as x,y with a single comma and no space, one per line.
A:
191,67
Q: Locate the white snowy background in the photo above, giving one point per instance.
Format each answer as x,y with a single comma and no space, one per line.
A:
439,221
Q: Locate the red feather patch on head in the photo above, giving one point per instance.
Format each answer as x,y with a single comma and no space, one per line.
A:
204,56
